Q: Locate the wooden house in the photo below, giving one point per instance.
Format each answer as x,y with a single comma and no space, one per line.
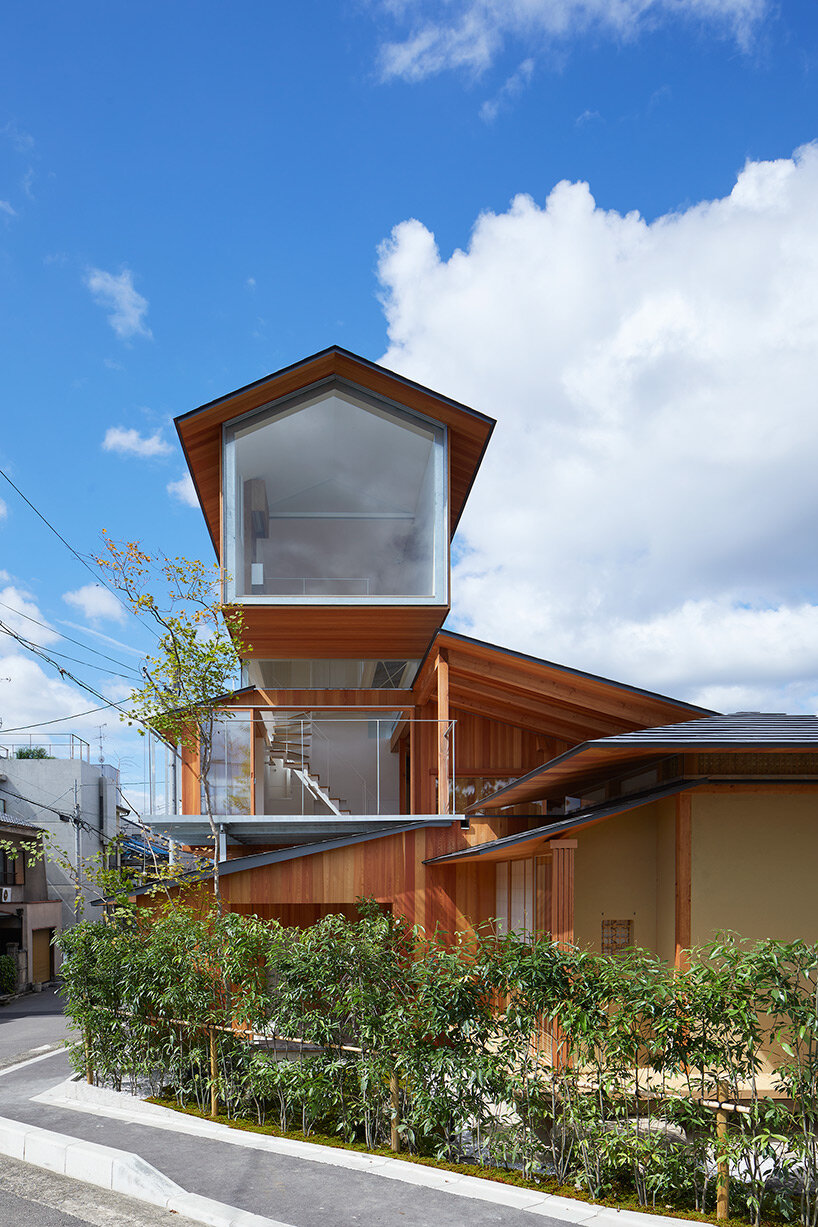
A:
372,753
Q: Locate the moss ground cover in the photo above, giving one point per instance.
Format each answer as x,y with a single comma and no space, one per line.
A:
498,1057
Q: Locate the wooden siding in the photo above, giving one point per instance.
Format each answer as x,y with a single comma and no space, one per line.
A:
334,631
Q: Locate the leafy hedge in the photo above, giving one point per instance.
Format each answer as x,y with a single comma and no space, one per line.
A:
8,974
500,1052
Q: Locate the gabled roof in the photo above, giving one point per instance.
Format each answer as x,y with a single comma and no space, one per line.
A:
568,704
200,430
590,762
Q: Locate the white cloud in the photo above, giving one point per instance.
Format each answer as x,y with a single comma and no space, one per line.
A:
511,89
130,442
184,490
126,305
96,603
6,208
470,34
647,506
3,513
17,609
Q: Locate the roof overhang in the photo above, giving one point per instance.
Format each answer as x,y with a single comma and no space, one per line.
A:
258,860
536,841
594,762
200,431
193,830
562,703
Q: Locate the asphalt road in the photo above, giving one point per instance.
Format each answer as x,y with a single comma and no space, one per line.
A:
31,1022
287,1189
31,1196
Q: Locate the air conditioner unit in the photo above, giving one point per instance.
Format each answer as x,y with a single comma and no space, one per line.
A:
5,894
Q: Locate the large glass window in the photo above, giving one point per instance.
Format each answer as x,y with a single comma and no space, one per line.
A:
335,495
231,774
330,674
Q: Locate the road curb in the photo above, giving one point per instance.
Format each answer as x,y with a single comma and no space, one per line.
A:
118,1171
79,1095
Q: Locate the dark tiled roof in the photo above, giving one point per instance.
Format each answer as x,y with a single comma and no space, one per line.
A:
738,730
9,820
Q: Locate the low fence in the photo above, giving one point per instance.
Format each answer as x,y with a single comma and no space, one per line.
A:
444,1048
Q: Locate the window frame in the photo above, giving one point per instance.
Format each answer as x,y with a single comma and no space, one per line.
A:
229,498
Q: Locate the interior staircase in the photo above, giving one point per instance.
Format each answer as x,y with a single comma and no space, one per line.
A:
289,744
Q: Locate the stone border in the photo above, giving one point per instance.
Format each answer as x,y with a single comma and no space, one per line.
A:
119,1172
118,1105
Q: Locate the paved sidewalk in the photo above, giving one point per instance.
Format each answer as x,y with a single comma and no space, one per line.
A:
292,1190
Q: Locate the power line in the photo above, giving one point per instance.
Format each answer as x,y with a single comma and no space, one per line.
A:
97,577
68,638
38,651
22,728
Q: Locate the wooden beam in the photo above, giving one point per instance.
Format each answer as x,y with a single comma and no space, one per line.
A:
562,890
683,877
547,722
442,670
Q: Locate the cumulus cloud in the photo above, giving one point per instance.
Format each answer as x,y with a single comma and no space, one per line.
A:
470,34
126,306
184,490
96,603
129,442
647,506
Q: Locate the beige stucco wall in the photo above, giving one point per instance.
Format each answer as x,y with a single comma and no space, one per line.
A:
755,864
616,877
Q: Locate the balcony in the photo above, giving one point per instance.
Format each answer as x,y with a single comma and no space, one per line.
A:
280,776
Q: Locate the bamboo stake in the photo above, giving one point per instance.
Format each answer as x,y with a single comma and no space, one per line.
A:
723,1165
394,1092
214,1075
89,1069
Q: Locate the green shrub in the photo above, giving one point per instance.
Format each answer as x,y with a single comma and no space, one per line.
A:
31,752
8,974
350,1016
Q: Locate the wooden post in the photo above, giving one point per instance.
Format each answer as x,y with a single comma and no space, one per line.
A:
722,1162
562,890
214,1076
394,1093
683,878
89,1069
442,668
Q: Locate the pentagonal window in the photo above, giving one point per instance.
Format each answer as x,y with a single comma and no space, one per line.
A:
335,495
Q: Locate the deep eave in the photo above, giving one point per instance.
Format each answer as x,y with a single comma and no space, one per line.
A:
589,763
530,843
569,705
199,429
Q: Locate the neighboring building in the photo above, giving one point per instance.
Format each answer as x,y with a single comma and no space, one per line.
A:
49,793
29,917
373,754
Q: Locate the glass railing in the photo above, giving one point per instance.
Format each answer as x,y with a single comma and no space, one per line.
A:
318,764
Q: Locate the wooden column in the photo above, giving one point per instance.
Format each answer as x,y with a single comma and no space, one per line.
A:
562,890
683,877
442,669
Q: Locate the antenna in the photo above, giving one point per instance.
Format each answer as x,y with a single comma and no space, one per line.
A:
101,737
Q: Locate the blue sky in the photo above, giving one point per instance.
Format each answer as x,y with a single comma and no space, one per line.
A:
192,195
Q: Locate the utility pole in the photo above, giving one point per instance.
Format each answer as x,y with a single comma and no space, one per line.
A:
77,852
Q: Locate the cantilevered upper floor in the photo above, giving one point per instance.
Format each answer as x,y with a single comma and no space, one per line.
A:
331,490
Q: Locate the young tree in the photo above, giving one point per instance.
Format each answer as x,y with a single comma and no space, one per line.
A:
196,660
